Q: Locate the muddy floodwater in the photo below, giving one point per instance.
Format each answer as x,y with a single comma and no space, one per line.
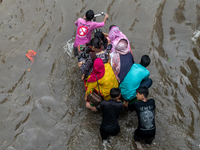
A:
42,103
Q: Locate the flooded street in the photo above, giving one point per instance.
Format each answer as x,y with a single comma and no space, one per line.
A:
44,108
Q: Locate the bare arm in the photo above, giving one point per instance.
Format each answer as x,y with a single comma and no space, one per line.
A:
105,34
105,18
90,107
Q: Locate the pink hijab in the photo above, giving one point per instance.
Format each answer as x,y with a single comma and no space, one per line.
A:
115,35
120,49
98,70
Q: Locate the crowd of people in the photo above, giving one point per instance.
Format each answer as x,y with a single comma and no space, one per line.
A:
117,77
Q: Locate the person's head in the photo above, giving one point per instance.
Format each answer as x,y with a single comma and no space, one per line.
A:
145,60
142,92
115,92
89,15
101,37
95,43
122,47
124,41
99,34
111,27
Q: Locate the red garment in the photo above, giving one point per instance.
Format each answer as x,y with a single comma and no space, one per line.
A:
98,70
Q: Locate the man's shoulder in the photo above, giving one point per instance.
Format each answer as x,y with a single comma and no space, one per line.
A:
80,19
111,101
151,100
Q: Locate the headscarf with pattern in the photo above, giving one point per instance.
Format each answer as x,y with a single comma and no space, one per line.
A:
115,35
120,49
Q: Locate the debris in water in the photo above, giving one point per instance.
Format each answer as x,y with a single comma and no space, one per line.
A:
10,26
84,124
31,54
29,69
169,59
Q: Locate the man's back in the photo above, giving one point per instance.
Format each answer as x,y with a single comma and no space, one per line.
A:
132,81
111,110
146,114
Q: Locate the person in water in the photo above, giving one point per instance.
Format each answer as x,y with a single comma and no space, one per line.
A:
145,109
115,35
106,79
84,29
122,60
137,76
104,40
86,67
110,110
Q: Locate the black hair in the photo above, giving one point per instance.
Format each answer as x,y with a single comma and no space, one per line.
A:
145,60
115,92
89,15
99,34
124,40
143,90
111,27
102,38
95,42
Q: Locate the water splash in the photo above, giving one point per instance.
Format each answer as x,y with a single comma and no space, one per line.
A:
68,47
196,38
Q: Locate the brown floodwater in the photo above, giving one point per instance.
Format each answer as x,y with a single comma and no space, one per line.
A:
44,108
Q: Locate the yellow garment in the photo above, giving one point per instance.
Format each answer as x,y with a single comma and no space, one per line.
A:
106,83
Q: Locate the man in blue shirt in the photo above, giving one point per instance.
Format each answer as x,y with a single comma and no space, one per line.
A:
136,77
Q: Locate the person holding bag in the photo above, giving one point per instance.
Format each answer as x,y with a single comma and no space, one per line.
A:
106,80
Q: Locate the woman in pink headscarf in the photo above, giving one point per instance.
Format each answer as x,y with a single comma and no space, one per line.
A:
106,79
121,60
115,35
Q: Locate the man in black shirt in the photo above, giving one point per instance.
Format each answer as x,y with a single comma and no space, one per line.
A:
111,110
146,113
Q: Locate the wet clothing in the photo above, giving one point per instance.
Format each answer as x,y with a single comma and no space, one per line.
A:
121,49
148,82
111,110
115,35
105,135
86,68
84,30
126,64
75,51
132,81
146,120
106,83
146,136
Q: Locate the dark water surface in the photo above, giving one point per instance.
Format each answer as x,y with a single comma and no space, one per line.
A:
44,108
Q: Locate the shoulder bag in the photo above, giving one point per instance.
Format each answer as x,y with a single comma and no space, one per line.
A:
95,98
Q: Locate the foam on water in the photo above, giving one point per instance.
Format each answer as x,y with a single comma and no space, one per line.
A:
196,36
68,47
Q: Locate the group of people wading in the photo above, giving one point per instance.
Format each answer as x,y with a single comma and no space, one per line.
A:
122,82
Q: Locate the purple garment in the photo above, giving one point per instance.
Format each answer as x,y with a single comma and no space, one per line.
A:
115,35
